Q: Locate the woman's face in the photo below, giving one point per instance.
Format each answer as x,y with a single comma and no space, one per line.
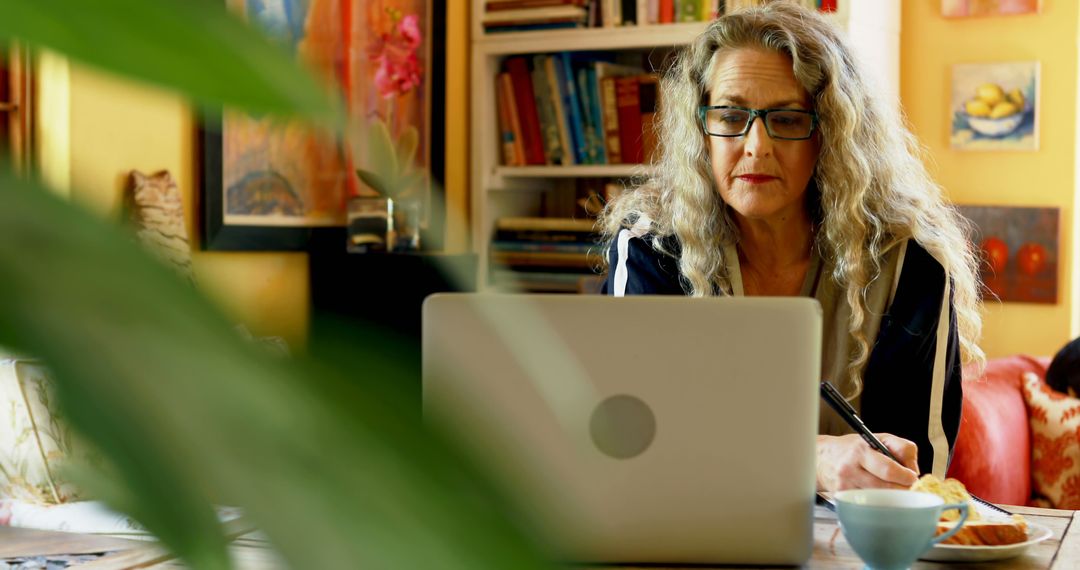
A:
761,178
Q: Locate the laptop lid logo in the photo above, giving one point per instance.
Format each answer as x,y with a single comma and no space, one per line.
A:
622,426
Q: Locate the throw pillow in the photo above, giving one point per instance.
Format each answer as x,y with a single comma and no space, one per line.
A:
33,438
1055,443
154,206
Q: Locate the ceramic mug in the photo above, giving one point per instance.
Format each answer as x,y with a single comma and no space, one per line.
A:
889,528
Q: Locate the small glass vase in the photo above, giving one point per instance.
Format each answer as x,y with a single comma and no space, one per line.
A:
382,225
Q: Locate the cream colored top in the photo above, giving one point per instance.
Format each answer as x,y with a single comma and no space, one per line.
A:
837,344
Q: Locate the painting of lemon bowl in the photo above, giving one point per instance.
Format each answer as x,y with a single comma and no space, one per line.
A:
995,106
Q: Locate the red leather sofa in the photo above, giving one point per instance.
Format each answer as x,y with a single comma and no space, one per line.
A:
993,448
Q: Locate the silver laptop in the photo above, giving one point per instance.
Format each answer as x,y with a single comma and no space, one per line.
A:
638,429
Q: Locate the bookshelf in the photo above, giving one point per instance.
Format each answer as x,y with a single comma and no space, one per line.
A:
500,191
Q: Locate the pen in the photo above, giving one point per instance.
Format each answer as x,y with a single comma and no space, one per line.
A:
837,402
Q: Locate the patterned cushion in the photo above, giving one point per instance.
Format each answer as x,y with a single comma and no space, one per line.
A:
1055,443
33,439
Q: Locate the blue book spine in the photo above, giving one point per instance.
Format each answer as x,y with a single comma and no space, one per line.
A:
597,113
573,107
586,116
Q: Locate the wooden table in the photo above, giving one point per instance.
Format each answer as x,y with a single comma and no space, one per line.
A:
1060,552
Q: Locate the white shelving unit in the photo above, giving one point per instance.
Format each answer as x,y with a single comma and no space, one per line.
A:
873,26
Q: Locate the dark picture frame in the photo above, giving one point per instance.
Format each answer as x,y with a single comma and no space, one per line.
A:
218,235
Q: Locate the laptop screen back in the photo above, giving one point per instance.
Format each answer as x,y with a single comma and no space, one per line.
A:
639,429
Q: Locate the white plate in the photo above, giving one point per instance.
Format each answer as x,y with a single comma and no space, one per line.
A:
961,553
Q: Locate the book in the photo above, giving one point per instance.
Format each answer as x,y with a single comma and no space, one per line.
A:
609,104
542,246
515,121
571,105
649,99
653,11
629,13
560,113
629,109
506,133
594,143
608,109
525,101
538,223
496,5
575,13
666,11
596,111
496,29
545,110
689,10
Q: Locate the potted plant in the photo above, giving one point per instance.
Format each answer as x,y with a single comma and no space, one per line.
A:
184,413
389,220
386,216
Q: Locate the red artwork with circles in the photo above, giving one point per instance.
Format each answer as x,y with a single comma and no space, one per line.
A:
1018,252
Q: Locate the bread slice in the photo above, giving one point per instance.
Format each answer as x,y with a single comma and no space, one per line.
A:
987,532
984,527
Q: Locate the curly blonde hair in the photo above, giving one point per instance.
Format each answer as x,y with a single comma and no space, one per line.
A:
870,189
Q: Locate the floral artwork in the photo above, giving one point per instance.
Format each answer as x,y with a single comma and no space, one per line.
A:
962,8
377,54
994,106
1018,250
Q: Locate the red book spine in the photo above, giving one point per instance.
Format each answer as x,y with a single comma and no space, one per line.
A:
514,118
828,6
629,105
506,132
525,99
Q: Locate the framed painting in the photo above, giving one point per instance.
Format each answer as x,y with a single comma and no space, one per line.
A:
965,8
276,184
995,106
1019,252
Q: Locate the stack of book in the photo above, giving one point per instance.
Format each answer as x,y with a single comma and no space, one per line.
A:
525,15
575,109
544,254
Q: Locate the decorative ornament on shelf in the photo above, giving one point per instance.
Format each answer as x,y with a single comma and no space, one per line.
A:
389,220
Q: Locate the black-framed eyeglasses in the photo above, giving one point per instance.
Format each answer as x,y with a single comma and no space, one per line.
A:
731,121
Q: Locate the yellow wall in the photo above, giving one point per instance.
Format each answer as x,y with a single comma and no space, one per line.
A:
929,45
113,126
116,126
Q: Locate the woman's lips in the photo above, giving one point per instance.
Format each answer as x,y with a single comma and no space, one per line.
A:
756,178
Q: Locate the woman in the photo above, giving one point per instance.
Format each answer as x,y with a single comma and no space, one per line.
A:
783,173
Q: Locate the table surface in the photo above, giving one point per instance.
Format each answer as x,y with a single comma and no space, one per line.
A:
1060,552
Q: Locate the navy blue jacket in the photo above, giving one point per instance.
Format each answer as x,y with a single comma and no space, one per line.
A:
899,374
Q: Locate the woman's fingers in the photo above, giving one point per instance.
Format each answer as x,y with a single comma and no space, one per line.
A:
904,450
848,462
887,471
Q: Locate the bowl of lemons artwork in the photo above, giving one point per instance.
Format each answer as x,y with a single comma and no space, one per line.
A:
993,111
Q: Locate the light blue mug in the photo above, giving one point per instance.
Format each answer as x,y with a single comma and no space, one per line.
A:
889,529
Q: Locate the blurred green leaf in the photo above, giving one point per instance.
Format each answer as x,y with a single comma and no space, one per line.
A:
192,46
374,182
382,155
327,457
406,147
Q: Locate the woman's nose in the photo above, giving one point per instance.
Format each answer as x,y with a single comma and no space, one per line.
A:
757,141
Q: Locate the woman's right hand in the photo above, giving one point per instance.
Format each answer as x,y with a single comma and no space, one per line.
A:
848,462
